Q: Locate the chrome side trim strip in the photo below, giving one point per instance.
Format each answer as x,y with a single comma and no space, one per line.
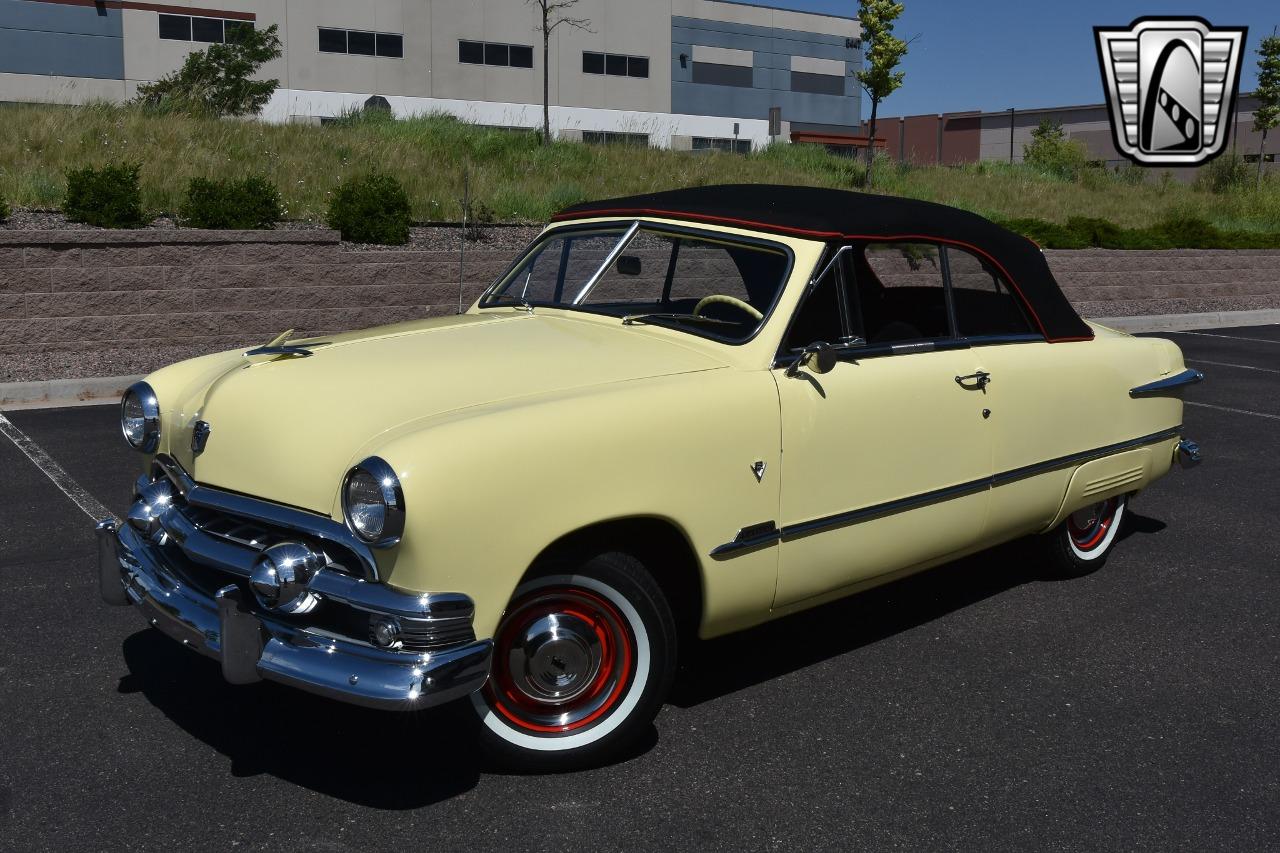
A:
817,525
1083,456
1168,385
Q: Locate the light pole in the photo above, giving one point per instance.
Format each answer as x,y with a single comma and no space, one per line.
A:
1012,113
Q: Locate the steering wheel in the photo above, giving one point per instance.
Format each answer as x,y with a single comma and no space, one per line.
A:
722,299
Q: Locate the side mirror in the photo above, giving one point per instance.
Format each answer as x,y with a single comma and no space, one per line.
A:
817,358
629,265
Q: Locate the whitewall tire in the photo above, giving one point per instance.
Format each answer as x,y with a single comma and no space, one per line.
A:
583,660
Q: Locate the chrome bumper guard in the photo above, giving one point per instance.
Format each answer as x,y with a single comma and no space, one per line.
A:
253,646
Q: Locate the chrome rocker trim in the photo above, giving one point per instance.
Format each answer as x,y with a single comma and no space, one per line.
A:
1168,385
252,646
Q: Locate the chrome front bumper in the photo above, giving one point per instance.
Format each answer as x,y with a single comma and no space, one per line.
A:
253,646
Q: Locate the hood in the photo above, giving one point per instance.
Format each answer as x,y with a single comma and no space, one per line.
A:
287,429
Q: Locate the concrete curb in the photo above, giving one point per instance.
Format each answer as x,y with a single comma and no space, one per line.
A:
1176,322
58,393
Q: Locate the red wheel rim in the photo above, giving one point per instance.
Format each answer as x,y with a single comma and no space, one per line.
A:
1088,527
563,658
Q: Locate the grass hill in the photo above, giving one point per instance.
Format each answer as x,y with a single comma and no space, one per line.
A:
519,180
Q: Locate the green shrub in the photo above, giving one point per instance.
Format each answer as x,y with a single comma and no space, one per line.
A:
1224,174
371,209
251,203
4,210
1050,151
109,197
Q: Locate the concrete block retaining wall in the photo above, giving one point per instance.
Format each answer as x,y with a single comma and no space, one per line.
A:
98,303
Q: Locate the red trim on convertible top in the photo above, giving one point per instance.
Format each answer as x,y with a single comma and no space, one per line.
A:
826,235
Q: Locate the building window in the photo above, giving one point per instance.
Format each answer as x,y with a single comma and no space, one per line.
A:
723,75
361,43
720,143
205,30
615,65
612,137
817,84
494,53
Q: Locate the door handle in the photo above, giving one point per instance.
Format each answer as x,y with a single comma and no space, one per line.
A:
975,381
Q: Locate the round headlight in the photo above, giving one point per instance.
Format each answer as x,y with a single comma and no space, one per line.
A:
373,503
140,417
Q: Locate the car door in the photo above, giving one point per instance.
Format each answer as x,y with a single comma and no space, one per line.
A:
886,458
1043,397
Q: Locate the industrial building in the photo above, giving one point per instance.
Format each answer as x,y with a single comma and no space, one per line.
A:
953,139
671,73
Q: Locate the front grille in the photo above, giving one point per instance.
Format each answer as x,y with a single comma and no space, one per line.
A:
246,534
430,637
213,538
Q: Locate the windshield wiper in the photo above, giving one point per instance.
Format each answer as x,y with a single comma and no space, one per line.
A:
696,318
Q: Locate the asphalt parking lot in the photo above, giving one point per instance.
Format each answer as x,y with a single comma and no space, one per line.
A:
977,706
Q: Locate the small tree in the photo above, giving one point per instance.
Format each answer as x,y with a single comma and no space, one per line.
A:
1051,151
1267,115
553,15
883,53
219,80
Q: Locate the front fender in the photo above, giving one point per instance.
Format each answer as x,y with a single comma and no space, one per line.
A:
489,488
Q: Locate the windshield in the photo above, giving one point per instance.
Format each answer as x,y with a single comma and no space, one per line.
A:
714,286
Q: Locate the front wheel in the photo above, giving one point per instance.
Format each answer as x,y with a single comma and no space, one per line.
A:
1081,543
582,663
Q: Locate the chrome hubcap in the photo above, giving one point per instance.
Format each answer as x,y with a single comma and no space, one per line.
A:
1088,527
563,659
556,659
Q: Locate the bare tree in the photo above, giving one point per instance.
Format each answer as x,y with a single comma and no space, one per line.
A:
553,15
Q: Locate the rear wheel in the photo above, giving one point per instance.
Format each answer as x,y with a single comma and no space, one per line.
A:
1081,543
582,662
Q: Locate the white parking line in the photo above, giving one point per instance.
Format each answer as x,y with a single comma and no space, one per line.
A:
1229,409
90,505
1228,364
1228,337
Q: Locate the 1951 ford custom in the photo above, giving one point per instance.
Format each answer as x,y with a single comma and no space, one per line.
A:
676,415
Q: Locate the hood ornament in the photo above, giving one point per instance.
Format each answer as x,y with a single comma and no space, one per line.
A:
277,346
200,436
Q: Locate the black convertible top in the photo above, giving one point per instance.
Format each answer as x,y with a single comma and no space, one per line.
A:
827,214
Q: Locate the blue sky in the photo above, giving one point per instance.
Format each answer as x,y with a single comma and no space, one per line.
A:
1001,54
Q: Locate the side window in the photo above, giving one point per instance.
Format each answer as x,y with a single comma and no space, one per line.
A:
901,292
984,303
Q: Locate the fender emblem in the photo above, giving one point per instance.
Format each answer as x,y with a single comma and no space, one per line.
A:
199,436
757,468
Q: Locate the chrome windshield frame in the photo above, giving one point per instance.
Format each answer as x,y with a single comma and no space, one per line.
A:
609,260
495,298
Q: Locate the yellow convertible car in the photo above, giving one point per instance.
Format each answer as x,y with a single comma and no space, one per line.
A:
676,415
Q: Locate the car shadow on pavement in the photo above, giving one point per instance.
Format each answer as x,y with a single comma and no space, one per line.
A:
380,759
714,668
393,761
